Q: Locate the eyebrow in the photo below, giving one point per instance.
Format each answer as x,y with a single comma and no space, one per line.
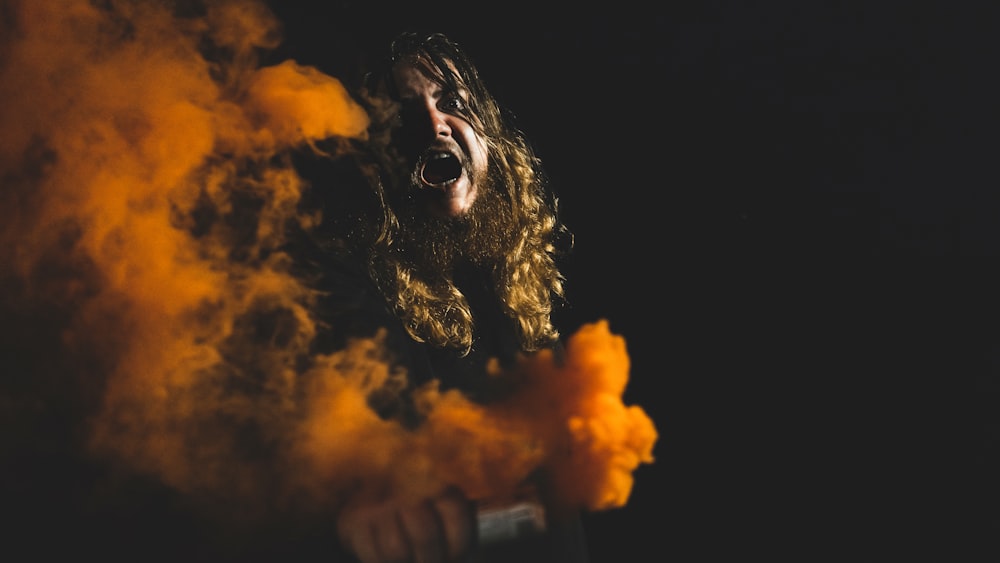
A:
443,89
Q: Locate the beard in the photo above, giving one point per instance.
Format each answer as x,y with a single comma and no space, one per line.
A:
436,245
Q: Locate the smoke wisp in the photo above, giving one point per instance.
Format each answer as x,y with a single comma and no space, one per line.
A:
152,319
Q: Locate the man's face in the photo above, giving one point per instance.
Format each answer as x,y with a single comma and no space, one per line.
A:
448,158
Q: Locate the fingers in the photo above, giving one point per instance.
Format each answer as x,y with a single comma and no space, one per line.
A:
365,544
436,530
457,515
356,527
424,530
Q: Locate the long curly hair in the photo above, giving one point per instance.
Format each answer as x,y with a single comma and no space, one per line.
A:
521,261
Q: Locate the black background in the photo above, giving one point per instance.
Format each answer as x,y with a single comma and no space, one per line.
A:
790,212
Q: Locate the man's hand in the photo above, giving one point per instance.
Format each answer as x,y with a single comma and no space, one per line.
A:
438,529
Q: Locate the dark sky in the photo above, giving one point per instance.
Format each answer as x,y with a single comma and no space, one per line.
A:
789,211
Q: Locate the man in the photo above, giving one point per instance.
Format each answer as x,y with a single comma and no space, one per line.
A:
456,243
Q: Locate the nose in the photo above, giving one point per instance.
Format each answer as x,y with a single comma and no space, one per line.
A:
423,123
439,122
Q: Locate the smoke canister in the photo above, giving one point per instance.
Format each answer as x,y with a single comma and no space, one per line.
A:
510,520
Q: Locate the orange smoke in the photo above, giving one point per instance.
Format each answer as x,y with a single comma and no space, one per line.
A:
565,417
131,155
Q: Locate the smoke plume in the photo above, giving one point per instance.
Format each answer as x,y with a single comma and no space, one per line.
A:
147,195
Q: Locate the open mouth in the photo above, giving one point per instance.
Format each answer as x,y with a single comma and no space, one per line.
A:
440,168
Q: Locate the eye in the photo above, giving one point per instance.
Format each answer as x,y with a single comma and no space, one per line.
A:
453,103
406,113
